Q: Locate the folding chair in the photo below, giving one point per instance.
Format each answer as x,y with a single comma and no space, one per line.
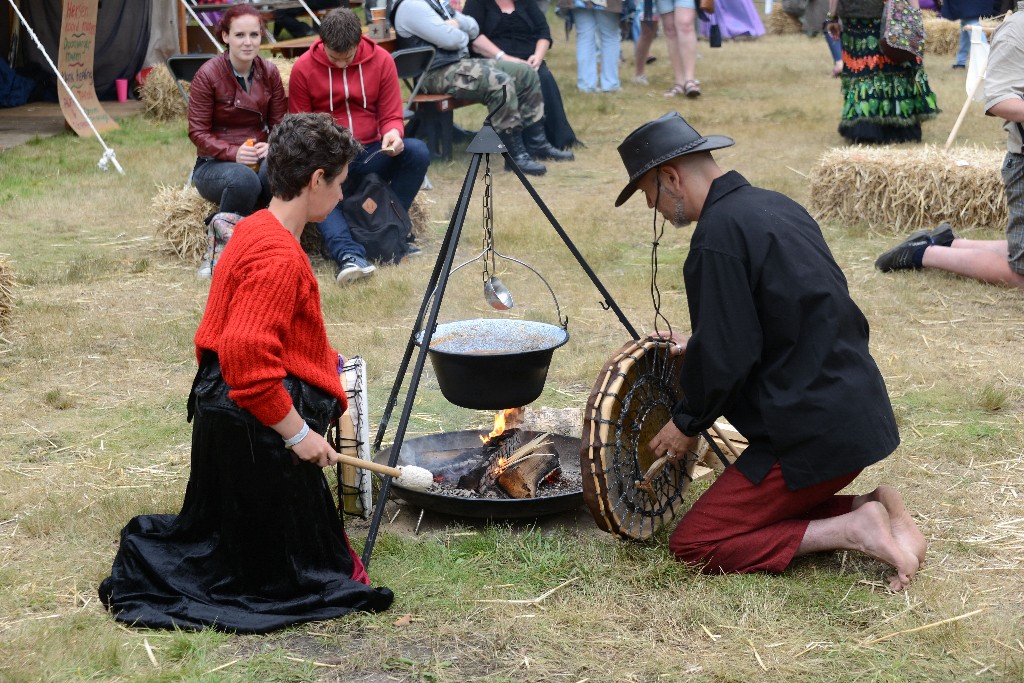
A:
429,116
184,68
412,64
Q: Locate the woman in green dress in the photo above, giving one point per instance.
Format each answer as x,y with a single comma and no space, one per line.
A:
883,101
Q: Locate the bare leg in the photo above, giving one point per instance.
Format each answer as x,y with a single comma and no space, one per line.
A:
987,264
685,24
648,31
903,527
868,530
998,246
681,37
686,32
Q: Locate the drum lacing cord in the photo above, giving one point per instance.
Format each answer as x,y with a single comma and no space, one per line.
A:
655,290
337,442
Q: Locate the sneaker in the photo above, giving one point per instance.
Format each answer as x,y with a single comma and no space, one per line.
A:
412,249
901,257
641,79
352,268
959,66
205,271
943,235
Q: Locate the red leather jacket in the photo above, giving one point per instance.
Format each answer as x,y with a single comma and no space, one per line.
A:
222,116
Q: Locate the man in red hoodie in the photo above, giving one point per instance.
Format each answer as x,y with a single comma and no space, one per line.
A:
349,76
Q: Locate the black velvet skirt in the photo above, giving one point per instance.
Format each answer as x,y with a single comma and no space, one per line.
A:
258,544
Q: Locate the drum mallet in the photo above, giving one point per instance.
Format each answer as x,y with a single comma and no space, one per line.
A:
406,476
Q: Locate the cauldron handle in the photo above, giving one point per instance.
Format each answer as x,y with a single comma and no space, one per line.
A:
475,258
564,322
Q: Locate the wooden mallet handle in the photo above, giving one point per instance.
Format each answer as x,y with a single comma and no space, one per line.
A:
370,465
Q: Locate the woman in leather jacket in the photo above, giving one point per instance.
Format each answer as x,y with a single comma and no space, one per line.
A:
235,100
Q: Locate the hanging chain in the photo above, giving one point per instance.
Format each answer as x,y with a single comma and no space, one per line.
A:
488,244
659,231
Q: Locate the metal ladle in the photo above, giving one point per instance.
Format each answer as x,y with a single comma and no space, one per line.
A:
497,295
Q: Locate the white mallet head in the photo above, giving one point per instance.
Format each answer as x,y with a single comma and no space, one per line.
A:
415,477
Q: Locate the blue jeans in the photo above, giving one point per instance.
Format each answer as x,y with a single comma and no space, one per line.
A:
835,46
235,187
404,172
965,40
589,24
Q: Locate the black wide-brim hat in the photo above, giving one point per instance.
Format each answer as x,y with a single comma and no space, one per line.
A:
658,141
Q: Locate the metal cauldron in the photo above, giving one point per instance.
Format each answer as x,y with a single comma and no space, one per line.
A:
492,364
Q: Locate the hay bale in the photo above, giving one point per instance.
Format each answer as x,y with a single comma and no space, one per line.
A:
179,217
285,67
942,36
895,190
6,293
160,95
780,23
419,215
311,241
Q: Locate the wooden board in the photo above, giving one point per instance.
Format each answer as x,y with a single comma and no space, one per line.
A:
75,63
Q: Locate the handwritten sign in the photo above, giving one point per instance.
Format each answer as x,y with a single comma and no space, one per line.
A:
75,61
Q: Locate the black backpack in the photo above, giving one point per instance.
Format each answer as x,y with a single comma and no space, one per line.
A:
377,220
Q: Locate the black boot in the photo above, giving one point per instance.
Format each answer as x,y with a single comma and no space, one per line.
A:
513,140
538,146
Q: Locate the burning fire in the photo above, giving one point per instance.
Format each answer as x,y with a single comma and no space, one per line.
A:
504,420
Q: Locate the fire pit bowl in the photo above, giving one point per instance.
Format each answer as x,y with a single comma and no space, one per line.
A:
434,451
491,364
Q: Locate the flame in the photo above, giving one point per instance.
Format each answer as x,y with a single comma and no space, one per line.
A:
503,420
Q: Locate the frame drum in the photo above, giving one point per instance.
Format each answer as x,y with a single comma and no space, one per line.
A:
632,400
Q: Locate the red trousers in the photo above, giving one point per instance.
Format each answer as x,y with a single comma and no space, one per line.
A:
738,527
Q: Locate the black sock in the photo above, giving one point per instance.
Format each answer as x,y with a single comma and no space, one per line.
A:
918,256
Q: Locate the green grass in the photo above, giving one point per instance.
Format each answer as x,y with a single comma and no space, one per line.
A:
98,359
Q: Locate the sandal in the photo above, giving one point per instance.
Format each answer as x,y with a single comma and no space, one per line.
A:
692,88
675,90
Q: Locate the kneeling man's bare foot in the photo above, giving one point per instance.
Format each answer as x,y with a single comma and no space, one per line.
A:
904,528
868,530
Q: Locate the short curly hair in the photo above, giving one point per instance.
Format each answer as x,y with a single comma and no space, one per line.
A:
303,143
340,30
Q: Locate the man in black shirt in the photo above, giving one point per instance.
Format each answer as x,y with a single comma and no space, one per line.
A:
781,350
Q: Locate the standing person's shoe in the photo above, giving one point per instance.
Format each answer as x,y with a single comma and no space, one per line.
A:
352,268
536,141
412,249
907,254
942,236
513,141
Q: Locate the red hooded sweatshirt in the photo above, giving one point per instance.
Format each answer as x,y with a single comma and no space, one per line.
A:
365,97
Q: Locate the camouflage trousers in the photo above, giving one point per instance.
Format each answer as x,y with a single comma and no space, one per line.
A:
482,80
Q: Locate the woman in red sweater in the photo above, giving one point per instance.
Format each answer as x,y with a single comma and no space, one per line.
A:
258,544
